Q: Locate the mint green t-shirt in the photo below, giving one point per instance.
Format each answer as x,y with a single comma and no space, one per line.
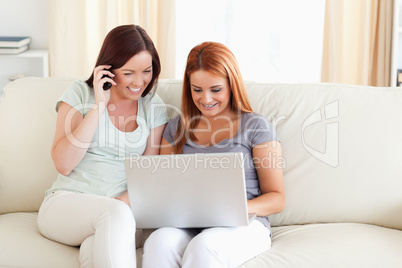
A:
101,171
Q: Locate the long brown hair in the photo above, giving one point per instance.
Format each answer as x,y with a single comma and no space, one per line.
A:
121,44
218,60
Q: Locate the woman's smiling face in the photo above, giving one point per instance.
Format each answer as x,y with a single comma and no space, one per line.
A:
211,94
134,76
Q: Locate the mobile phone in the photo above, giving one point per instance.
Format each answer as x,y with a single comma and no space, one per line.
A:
106,85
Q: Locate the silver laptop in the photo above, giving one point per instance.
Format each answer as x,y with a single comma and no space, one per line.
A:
188,190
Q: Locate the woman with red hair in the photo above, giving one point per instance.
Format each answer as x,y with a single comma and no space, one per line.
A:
217,117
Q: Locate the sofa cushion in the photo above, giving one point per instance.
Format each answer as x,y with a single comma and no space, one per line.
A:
331,245
21,245
342,146
27,123
314,245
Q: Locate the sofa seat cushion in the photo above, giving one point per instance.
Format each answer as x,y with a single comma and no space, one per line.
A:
332,245
313,245
21,245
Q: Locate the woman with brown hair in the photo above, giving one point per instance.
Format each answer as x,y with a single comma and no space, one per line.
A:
217,117
97,127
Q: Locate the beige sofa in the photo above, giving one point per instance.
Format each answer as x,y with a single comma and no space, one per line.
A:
343,174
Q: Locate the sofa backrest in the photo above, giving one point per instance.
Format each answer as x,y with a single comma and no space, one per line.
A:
341,147
27,125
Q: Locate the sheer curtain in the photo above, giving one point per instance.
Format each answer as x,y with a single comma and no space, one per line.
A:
78,27
274,41
358,42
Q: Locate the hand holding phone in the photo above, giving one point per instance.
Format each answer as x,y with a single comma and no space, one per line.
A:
107,85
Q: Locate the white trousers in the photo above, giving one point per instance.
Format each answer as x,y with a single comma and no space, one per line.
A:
104,227
212,247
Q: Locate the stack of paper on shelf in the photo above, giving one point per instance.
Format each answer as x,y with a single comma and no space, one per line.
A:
14,44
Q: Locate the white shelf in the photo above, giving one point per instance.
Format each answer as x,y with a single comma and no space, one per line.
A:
28,63
30,53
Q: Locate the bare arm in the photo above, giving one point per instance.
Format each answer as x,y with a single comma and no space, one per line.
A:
268,162
154,141
73,136
166,147
74,133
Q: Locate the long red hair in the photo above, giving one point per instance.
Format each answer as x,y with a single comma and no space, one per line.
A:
218,60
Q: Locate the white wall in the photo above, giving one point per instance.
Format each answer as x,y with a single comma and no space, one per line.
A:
280,41
26,17
23,18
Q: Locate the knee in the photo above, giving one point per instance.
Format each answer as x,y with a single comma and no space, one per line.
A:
161,240
118,213
203,243
165,248
120,209
204,250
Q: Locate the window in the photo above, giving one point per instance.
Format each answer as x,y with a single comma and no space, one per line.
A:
273,41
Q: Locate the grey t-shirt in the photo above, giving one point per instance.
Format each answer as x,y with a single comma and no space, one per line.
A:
254,129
